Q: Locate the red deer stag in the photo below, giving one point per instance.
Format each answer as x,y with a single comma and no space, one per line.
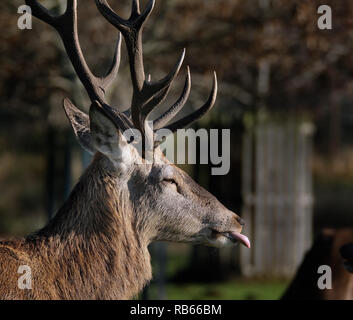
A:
96,245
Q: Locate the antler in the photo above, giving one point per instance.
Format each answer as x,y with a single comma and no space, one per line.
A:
66,26
148,95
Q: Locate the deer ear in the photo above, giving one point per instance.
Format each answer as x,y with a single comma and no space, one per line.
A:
106,138
80,123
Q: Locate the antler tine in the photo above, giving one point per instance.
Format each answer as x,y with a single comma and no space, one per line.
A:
184,122
136,19
114,69
135,8
177,106
154,88
111,16
42,13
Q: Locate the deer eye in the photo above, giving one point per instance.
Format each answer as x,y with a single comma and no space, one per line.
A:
170,180
171,183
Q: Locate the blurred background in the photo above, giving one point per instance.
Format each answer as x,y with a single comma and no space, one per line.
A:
285,91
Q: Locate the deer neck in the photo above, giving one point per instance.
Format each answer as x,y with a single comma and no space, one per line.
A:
93,238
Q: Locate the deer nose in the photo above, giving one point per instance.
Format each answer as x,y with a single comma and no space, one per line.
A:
240,221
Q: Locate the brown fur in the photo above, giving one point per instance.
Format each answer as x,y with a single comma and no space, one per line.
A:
90,250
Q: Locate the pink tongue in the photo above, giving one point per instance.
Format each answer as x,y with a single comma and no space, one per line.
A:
243,239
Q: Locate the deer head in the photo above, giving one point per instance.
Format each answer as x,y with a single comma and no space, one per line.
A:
166,204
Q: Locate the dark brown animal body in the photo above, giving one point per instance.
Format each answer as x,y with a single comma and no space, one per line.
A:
325,251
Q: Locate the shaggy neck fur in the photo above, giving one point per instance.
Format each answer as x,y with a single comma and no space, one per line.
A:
91,249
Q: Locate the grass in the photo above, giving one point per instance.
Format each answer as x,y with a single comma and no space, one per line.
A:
237,289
